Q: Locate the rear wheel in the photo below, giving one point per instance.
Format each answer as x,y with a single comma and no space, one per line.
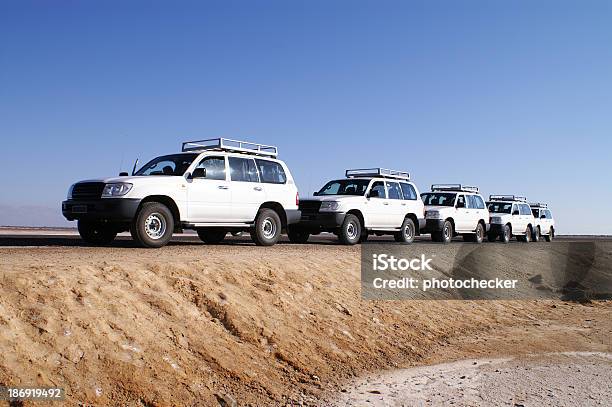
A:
506,234
153,225
97,233
297,235
407,232
550,236
267,228
478,237
350,231
528,234
212,235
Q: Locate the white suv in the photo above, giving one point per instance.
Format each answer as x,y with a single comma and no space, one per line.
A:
373,200
544,222
455,209
510,216
214,186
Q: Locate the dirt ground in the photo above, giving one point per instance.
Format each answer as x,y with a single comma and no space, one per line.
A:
191,324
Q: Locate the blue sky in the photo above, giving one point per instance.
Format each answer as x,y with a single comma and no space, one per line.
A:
515,97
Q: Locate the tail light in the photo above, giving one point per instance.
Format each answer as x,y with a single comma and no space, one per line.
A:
297,199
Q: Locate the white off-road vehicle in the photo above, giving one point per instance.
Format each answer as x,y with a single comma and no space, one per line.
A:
455,209
510,216
373,200
214,186
544,222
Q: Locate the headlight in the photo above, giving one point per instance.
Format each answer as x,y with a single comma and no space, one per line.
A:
329,206
432,215
118,189
496,219
69,196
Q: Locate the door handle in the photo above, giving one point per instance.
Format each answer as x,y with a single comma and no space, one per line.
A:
257,188
385,203
223,187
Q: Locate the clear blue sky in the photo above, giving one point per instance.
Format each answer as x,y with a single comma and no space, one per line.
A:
515,97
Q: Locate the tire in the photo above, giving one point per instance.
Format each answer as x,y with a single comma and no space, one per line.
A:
528,235
407,232
96,233
364,236
478,237
491,237
506,234
153,225
212,235
297,235
447,233
536,234
550,236
267,228
350,231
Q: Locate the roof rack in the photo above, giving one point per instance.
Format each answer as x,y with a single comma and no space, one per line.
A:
507,198
453,187
225,144
377,172
538,205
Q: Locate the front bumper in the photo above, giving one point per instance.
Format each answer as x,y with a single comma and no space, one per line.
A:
111,209
293,216
322,220
433,225
496,229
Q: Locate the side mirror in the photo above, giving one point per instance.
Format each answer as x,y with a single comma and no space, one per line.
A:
516,213
199,173
460,204
123,174
543,217
374,194
315,193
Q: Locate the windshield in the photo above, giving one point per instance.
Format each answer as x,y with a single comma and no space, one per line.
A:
438,198
345,187
499,207
175,164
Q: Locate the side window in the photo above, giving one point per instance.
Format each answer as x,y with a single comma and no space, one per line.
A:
271,172
525,209
479,202
408,191
471,201
548,214
515,208
394,190
380,187
243,169
461,202
210,168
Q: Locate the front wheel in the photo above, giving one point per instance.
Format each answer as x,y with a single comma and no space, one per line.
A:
212,235
153,225
445,235
406,233
550,236
350,231
97,233
506,234
267,229
298,235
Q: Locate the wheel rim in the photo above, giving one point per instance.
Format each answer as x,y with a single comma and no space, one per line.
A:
479,233
446,232
506,233
268,228
155,226
351,231
408,232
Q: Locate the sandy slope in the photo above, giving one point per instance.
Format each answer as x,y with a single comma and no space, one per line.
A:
194,325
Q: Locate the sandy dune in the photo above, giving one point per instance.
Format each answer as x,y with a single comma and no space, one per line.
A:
191,324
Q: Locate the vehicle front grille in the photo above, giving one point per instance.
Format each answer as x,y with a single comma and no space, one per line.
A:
309,206
87,190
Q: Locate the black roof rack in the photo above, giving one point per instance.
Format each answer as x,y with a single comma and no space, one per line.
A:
225,144
377,172
513,198
454,188
538,205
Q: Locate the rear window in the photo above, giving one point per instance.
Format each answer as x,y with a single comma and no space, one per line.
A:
271,172
408,191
